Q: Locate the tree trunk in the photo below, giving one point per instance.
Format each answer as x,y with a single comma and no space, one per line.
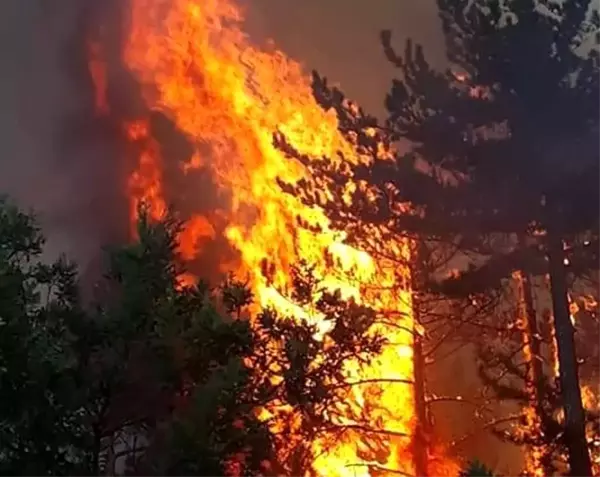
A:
536,369
575,439
422,428
534,338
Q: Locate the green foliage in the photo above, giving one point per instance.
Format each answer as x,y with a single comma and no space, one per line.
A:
150,380
160,379
41,427
476,469
169,365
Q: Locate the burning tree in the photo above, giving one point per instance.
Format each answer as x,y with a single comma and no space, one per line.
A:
310,404
488,174
517,363
226,98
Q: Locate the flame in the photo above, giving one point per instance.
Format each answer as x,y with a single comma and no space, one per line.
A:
98,74
591,402
196,66
200,69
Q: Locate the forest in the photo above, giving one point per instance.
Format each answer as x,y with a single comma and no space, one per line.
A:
300,321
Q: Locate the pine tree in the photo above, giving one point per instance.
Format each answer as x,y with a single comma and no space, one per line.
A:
169,391
476,469
301,361
504,165
42,431
150,380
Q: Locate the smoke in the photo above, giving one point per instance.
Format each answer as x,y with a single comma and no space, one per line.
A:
62,159
341,38
54,159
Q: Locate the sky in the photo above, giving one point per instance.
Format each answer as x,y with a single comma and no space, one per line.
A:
340,38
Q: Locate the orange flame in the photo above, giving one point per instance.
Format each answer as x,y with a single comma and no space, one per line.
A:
196,66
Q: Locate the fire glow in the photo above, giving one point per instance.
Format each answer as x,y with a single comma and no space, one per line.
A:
197,67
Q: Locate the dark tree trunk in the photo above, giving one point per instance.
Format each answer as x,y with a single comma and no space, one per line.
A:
422,435
422,428
575,439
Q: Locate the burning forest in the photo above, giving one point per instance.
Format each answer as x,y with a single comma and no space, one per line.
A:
301,288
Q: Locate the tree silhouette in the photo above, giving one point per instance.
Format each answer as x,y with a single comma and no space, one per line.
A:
168,368
476,469
41,428
301,361
149,380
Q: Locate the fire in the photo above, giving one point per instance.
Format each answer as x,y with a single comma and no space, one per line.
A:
196,66
591,402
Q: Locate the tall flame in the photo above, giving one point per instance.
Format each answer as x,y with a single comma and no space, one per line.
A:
196,66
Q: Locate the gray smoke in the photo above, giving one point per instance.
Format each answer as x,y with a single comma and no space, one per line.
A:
340,38
53,157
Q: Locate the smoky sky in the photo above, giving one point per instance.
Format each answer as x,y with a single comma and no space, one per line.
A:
340,38
52,158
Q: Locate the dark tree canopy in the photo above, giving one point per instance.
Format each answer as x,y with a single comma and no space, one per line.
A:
476,469
509,135
89,390
41,429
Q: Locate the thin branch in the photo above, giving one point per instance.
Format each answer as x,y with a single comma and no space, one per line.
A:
365,429
486,426
372,381
381,468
